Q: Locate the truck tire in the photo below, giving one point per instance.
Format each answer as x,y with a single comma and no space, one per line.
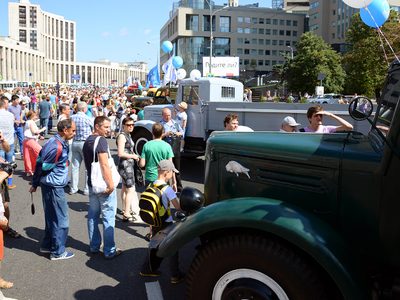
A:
140,137
246,266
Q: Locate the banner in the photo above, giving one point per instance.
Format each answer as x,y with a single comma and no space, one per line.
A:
153,78
169,72
221,66
129,81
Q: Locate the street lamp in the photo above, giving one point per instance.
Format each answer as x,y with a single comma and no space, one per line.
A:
291,50
211,31
143,57
158,56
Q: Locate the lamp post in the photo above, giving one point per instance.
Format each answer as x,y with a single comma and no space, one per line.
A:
158,56
211,29
291,50
145,60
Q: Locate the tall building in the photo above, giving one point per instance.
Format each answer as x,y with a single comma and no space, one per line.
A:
296,6
330,20
256,35
41,47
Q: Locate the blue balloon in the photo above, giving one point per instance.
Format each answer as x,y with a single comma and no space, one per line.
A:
379,9
177,62
167,46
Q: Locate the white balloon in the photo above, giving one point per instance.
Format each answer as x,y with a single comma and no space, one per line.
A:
358,3
195,75
181,73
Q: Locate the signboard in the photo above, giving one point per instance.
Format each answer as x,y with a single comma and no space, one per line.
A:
221,66
319,90
76,77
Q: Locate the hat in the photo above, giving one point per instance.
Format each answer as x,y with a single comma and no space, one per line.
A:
166,165
290,121
183,105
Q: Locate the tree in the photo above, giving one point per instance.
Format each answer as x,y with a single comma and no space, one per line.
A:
313,56
366,62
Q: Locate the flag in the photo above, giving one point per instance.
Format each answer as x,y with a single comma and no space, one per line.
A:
153,78
129,81
169,72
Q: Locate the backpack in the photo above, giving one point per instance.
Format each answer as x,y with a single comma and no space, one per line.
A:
152,211
302,130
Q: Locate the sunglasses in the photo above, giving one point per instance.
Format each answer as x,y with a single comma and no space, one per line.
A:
129,125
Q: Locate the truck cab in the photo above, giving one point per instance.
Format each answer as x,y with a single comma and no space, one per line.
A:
298,215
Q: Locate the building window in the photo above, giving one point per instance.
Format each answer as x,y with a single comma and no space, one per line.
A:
274,42
274,53
314,5
56,28
227,92
192,22
261,21
61,50
33,39
333,36
61,29
22,16
206,23
288,33
52,27
268,21
333,12
33,17
246,62
267,42
247,30
282,22
66,30
52,49
274,62
224,24
281,43
240,40
281,32
254,41
288,22
222,47
260,31
261,41
247,20
275,22
260,62
268,31
254,31
240,61
66,51
72,52
295,32
287,43
239,51
260,52
294,43
22,36
254,20
275,32
267,52
71,36
56,49
240,30
246,51
253,51
313,16
295,23
267,62
240,19
247,41
333,24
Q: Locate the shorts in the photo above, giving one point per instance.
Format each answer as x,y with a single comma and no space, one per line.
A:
8,156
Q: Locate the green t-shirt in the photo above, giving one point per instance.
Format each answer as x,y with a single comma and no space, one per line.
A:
154,152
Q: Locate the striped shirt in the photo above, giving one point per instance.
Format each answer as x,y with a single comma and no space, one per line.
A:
84,126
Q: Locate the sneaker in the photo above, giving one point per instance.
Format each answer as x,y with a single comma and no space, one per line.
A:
151,274
28,174
86,193
11,187
117,252
94,252
65,255
178,278
43,250
72,193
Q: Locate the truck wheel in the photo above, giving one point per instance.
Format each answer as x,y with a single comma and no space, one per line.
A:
252,267
140,137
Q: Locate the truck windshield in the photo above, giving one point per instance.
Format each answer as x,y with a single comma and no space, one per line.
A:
390,98
190,94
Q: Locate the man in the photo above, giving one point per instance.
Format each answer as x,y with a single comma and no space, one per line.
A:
65,111
315,115
231,122
289,125
104,203
53,97
84,128
45,108
16,110
7,129
173,128
51,173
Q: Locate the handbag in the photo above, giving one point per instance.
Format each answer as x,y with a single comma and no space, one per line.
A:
138,174
175,141
98,183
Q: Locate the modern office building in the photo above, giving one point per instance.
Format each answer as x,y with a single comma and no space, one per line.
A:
330,20
256,35
292,6
41,47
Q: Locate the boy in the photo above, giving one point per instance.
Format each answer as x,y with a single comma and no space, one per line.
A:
165,169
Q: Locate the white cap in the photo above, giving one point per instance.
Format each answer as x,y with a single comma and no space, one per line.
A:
290,121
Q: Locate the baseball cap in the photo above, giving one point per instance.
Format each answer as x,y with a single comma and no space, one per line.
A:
166,165
290,121
183,105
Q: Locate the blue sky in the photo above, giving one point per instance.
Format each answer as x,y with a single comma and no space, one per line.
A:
116,30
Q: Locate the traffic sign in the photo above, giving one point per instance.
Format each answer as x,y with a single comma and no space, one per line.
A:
210,75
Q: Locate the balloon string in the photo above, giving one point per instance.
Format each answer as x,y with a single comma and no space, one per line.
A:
384,51
381,33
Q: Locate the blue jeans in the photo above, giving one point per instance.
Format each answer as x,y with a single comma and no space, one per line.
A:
8,156
44,122
33,106
56,218
77,158
19,131
106,205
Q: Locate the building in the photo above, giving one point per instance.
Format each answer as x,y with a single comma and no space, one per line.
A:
41,47
331,19
257,35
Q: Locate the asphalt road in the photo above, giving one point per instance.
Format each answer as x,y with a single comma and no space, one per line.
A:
85,276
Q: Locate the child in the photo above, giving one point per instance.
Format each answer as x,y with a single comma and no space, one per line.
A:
113,123
165,169
181,118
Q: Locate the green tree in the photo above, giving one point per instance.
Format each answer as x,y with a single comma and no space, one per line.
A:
313,56
366,62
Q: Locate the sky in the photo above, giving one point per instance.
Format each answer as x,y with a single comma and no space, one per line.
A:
117,30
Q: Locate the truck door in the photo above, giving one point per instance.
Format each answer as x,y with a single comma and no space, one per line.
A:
195,124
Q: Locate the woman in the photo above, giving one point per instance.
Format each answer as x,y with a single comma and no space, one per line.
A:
126,168
24,109
33,101
30,146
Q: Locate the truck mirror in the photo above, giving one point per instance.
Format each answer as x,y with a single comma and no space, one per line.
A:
169,99
360,108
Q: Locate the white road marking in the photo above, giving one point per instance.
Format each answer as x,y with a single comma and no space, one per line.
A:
153,290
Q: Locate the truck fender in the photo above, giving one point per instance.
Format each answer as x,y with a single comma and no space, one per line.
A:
146,124
286,221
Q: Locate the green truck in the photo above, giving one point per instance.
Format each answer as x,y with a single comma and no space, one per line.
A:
298,215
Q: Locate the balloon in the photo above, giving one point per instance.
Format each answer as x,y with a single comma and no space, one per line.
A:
195,75
181,73
357,3
379,9
167,46
177,62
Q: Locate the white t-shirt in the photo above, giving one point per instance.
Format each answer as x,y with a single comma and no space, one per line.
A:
168,195
180,117
27,130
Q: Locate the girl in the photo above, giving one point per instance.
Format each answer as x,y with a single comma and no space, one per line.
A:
181,118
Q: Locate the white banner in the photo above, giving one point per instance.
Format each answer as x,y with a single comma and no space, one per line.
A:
221,66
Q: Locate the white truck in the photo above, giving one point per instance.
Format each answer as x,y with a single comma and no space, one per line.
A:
211,99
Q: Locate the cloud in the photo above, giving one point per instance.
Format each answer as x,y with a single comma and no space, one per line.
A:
147,31
123,32
106,33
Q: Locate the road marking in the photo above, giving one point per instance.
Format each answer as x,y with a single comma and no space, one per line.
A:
153,290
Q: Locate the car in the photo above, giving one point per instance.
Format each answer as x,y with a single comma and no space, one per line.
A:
326,99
